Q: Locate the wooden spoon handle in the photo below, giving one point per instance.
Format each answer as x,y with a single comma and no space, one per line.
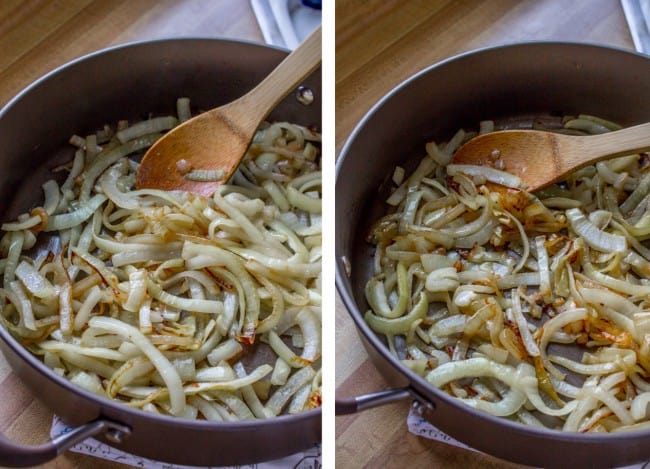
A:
620,143
290,73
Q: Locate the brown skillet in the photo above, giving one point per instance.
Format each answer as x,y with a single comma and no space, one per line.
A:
130,82
512,84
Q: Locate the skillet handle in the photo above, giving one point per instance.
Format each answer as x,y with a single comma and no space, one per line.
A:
368,401
17,455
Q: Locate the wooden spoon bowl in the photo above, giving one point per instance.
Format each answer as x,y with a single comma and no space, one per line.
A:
214,142
541,158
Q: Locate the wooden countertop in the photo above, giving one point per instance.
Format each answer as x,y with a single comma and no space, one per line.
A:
38,35
379,43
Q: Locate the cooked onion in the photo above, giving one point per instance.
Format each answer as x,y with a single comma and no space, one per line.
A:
479,309
161,299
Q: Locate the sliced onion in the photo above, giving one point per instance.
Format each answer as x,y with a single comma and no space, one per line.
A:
281,372
214,373
150,126
594,237
23,305
522,324
376,295
68,220
281,396
199,306
33,281
249,395
109,157
137,290
490,174
445,279
225,351
399,325
164,367
230,385
87,307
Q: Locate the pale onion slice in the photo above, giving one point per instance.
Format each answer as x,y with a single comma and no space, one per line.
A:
607,298
553,325
83,314
154,125
183,110
95,352
399,325
199,306
593,236
33,281
132,369
299,400
250,396
226,350
231,385
87,363
164,367
68,220
522,324
235,403
281,396
281,372
109,157
614,283
585,369
66,320
214,373
278,311
147,253
442,280
511,403
490,174
205,407
544,272
89,382
198,256
639,407
310,327
26,224
276,193
16,240
641,190
108,183
376,295
23,305
591,394
137,291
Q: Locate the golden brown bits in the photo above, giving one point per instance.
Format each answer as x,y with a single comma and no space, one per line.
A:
42,214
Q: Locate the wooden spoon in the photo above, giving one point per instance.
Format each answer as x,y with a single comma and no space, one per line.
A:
217,140
541,158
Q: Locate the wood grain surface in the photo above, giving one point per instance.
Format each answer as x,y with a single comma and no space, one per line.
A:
379,43
37,36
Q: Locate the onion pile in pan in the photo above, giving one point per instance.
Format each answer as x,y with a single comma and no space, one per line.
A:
532,307
168,301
